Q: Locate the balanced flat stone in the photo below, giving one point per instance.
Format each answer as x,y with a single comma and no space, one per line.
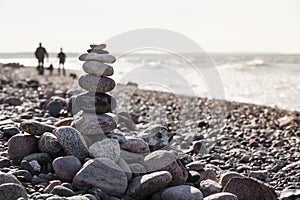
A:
98,46
104,174
97,68
72,142
99,103
97,84
106,58
97,51
92,124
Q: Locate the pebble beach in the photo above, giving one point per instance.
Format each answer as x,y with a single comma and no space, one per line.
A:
163,146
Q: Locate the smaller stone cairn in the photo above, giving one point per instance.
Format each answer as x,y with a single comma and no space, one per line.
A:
96,119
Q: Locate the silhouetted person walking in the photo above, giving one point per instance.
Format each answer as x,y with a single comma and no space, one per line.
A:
62,59
40,54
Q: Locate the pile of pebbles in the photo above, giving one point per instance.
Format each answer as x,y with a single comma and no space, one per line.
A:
102,160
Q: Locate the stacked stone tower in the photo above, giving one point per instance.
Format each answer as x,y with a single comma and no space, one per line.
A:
96,104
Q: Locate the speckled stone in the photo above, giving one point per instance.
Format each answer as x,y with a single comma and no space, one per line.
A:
92,124
97,68
72,142
107,148
98,84
98,103
48,143
143,186
35,127
104,174
8,178
12,191
106,58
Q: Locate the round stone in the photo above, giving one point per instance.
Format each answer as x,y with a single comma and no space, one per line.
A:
97,68
97,84
106,58
182,192
48,143
21,145
143,186
72,142
92,124
135,145
107,148
99,103
104,174
66,167
12,191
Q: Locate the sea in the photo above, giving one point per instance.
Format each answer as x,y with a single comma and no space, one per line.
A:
260,78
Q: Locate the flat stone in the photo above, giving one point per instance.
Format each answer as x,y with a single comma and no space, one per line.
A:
143,186
225,177
106,58
166,161
221,196
182,192
248,188
97,84
104,174
135,145
35,127
92,124
72,142
97,51
97,68
66,167
64,122
107,148
12,191
98,46
48,143
21,145
98,103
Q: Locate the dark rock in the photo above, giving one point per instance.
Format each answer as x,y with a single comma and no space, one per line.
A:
42,158
54,107
66,167
10,131
62,191
4,162
21,145
143,186
221,196
98,103
13,101
22,175
8,178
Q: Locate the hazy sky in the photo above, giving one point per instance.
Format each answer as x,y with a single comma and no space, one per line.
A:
216,25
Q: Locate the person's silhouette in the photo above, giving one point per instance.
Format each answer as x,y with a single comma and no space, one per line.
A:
40,54
62,59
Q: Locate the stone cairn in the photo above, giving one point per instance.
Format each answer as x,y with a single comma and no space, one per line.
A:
96,119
